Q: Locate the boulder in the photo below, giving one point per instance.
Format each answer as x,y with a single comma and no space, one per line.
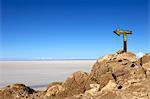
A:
146,67
139,90
54,89
75,84
109,87
93,91
108,57
120,51
127,55
17,91
146,58
100,74
120,55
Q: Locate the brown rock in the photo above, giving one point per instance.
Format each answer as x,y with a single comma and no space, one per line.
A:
120,51
16,91
109,95
138,90
75,84
106,58
53,89
111,85
93,91
146,67
128,55
100,74
146,58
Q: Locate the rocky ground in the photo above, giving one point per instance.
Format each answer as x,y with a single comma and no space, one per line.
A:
114,76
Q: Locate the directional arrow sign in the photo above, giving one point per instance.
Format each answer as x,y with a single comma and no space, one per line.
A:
118,32
124,32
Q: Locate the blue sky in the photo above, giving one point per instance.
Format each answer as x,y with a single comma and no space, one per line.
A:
33,29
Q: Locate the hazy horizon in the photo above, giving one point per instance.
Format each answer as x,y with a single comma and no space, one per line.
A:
38,74
19,59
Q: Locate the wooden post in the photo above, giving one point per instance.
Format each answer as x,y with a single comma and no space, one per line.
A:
125,42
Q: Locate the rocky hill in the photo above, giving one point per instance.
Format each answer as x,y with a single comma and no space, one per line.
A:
114,76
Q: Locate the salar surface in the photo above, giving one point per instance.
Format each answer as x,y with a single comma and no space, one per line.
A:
38,74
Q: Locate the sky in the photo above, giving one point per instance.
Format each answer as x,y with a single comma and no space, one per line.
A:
71,29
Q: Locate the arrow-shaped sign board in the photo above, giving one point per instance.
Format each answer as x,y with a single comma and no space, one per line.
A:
118,32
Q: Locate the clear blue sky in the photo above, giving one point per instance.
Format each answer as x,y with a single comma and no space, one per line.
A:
33,29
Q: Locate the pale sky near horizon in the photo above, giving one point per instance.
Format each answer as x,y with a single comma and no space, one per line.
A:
34,29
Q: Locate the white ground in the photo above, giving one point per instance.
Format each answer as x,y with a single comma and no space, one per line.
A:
38,74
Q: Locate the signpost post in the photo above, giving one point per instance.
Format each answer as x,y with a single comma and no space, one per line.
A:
124,32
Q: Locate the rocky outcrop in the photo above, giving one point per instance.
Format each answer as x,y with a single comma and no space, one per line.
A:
75,84
119,55
146,58
145,61
19,91
54,89
114,76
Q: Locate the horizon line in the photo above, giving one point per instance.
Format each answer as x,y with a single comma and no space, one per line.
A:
42,59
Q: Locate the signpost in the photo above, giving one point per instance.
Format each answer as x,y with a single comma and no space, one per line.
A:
124,32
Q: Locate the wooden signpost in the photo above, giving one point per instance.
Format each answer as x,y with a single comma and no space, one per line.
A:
124,32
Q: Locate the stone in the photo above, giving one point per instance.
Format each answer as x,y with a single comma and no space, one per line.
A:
75,84
109,87
106,58
146,67
146,58
16,91
93,91
54,90
120,51
100,74
127,55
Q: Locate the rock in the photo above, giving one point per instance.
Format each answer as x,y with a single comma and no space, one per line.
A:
120,55
109,87
93,91
120,51
75,84
125,71
108,92
100,74
96,93
17,91
106,58
146,58
128,55
105,78
53,89
146,67
109,95
138,90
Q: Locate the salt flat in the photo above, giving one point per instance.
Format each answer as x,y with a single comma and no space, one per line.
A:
38,74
